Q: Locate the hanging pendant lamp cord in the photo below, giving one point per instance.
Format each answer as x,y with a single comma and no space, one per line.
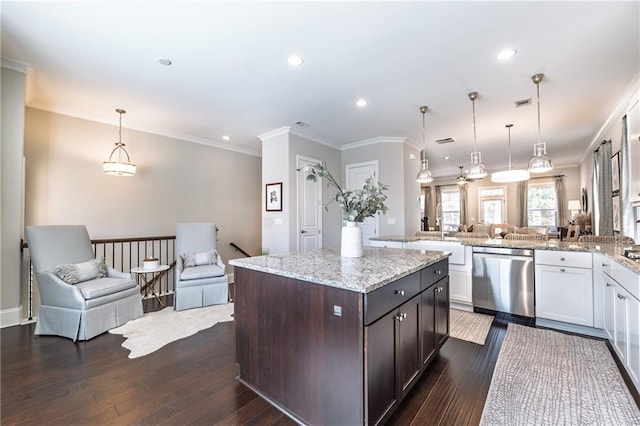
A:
475,140
509,127
538,92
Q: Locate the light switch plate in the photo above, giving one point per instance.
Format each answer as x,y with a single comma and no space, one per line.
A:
337,310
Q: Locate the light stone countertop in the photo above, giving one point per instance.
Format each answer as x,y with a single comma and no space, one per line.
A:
613,251
378,266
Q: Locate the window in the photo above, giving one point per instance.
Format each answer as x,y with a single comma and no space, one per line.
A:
492,201
542,204
450,208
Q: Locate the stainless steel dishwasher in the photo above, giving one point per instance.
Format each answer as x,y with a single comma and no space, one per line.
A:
503,280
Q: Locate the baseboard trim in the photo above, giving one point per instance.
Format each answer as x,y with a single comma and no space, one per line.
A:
572,328
10,317
230,278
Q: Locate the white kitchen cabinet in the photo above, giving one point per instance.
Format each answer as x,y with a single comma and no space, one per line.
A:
622,320
459,269
564,286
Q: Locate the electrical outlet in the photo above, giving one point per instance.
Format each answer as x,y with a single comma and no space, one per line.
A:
337,310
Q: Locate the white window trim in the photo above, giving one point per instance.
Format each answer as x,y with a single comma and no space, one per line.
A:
493,197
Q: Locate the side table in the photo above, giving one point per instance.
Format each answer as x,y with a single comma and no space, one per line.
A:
150,276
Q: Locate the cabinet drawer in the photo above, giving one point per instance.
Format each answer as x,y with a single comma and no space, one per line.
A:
433,273
606,263
627,279
384,299
388,244
572,259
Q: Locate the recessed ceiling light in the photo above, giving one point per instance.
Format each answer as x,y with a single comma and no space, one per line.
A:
506,54
446,157
226,138
295,60
164,61
361,103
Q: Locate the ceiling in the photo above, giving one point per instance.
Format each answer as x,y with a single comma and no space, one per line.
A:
229,72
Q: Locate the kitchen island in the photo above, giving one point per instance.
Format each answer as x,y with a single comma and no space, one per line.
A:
335,340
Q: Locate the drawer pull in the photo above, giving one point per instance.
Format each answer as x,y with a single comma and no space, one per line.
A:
563,259
621,297
438,272
561,269
400,292
604,265
609,285
401,316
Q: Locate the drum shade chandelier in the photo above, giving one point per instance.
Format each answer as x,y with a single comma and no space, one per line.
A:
116,165
424,175
510,175
540,163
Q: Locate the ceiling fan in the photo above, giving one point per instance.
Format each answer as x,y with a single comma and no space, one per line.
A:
462,179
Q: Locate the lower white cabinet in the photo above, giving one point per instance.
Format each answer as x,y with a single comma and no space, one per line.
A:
622,325
564,287
388,244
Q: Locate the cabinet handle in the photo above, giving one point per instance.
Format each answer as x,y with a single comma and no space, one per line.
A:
400,292
604,265
401,316
562,269
621,297
609,285
562,258
437,271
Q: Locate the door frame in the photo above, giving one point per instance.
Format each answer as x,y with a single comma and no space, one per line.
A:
376,175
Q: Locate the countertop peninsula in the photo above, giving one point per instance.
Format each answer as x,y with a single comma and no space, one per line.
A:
613,251
378,267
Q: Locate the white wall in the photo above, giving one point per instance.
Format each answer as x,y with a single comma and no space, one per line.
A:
11,178
411,163
176,181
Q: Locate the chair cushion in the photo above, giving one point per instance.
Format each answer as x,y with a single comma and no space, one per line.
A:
202,271
104,286
75,273
208,257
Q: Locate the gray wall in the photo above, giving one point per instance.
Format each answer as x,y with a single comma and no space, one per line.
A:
176,182
11,178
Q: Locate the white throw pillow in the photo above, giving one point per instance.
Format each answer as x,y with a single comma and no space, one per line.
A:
74,273
209,257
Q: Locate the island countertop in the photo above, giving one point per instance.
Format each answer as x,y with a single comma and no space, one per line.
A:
378,266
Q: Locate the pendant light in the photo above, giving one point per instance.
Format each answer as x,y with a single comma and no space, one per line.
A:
461,180
477,169
116,165
540,163
510,175
424,175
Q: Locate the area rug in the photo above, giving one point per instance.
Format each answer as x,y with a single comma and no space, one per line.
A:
544,377
469,326
157,329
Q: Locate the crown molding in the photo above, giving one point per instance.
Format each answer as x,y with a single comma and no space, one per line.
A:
186,138
627,100
288,130
14,65
380,139
274,133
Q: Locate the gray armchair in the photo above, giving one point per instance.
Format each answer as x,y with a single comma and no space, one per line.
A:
89,307
200,278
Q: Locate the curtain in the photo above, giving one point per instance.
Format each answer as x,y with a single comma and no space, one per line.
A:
561,199
627,225
438,201
602,207
523,195
429,207
463,205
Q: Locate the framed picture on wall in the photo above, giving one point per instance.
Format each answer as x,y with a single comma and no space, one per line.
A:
273,197
615,172
616,212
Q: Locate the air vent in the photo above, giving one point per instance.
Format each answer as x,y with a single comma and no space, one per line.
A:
302,124
445,140
523,102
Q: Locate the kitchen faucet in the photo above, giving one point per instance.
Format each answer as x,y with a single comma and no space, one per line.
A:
440,219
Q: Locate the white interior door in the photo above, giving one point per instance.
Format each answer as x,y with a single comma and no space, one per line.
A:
309,227
356,176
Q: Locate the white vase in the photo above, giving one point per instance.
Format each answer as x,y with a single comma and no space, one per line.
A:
351,244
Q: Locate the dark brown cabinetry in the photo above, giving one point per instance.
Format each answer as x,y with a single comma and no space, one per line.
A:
327,355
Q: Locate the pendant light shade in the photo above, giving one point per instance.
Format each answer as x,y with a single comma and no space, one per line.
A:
510,175
477,169
539,163
117,166
424,175
461,180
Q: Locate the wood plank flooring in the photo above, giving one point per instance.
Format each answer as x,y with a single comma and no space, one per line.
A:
51,380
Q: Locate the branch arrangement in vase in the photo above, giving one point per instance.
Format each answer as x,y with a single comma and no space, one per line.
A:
356,204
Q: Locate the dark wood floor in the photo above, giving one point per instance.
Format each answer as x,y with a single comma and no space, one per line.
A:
51,380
